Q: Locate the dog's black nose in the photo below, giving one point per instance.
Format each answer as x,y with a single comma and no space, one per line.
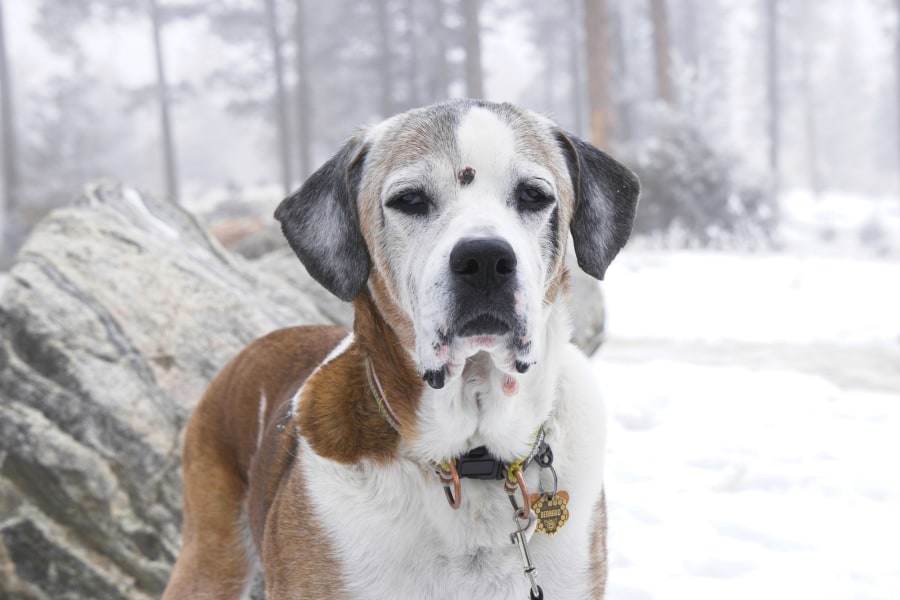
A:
486,264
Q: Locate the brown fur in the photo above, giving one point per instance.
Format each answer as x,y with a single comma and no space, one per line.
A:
598,548
296,550
219,447
338,414
223,467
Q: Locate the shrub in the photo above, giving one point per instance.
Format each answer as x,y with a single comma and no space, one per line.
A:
696,194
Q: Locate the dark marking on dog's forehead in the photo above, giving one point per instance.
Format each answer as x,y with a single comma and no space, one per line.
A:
466,176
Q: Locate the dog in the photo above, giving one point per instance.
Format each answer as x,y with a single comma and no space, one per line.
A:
451,445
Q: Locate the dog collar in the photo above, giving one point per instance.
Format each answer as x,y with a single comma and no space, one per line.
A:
477,463
384,407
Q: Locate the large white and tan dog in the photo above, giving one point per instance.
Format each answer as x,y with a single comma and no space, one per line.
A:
395,462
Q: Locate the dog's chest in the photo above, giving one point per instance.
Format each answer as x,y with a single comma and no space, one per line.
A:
395,536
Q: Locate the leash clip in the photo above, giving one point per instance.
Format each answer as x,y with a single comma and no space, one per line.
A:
519,537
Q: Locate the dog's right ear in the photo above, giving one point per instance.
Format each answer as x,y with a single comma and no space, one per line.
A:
321,223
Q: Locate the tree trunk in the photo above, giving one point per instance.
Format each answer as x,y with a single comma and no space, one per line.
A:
599,72
623,103
414,97
548,80
162,92
303,102
281,109
897,65
474,75
665,89
10,145
440,82
772,85
384,60
809,115
576,92
692,33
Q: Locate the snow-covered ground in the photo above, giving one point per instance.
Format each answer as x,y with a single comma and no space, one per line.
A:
754,423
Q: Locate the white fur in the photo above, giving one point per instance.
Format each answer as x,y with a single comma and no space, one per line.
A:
261,424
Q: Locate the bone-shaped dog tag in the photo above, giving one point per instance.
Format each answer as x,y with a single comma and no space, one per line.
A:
551,511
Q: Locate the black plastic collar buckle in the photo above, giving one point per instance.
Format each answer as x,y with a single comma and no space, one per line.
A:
478,464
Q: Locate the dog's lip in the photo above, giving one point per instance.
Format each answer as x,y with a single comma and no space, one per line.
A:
484,325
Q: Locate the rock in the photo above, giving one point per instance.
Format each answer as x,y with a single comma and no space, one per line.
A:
116,314
233,231
285,263
588,308
262,242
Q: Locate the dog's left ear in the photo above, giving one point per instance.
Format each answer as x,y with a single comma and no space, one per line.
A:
321,223
606,195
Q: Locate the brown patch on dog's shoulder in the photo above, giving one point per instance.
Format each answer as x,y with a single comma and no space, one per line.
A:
275,365
340,419
339,416
298,554
598,567
378,338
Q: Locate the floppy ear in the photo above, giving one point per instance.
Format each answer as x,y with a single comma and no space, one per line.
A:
321,223
606,195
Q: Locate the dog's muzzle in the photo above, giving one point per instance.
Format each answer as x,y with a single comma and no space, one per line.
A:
484,288
484,284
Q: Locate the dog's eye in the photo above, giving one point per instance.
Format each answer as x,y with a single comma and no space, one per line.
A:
411,203
531,198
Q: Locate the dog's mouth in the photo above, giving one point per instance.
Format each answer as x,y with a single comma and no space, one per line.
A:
484,324
484,332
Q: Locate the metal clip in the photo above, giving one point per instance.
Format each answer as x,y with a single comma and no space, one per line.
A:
519,537
520,486
555,482
449,476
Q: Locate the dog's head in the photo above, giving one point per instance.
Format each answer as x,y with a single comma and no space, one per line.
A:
456,217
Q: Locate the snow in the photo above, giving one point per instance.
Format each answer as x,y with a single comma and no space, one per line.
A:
755,417
839,224
753,298
725,482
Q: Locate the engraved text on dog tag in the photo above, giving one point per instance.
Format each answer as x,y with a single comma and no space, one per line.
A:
551,511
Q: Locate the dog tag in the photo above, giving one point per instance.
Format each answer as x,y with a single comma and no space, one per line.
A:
551,511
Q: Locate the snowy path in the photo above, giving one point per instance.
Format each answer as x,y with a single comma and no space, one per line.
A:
856,366
753,459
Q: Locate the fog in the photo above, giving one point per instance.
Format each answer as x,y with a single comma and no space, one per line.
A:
85,97
750,327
